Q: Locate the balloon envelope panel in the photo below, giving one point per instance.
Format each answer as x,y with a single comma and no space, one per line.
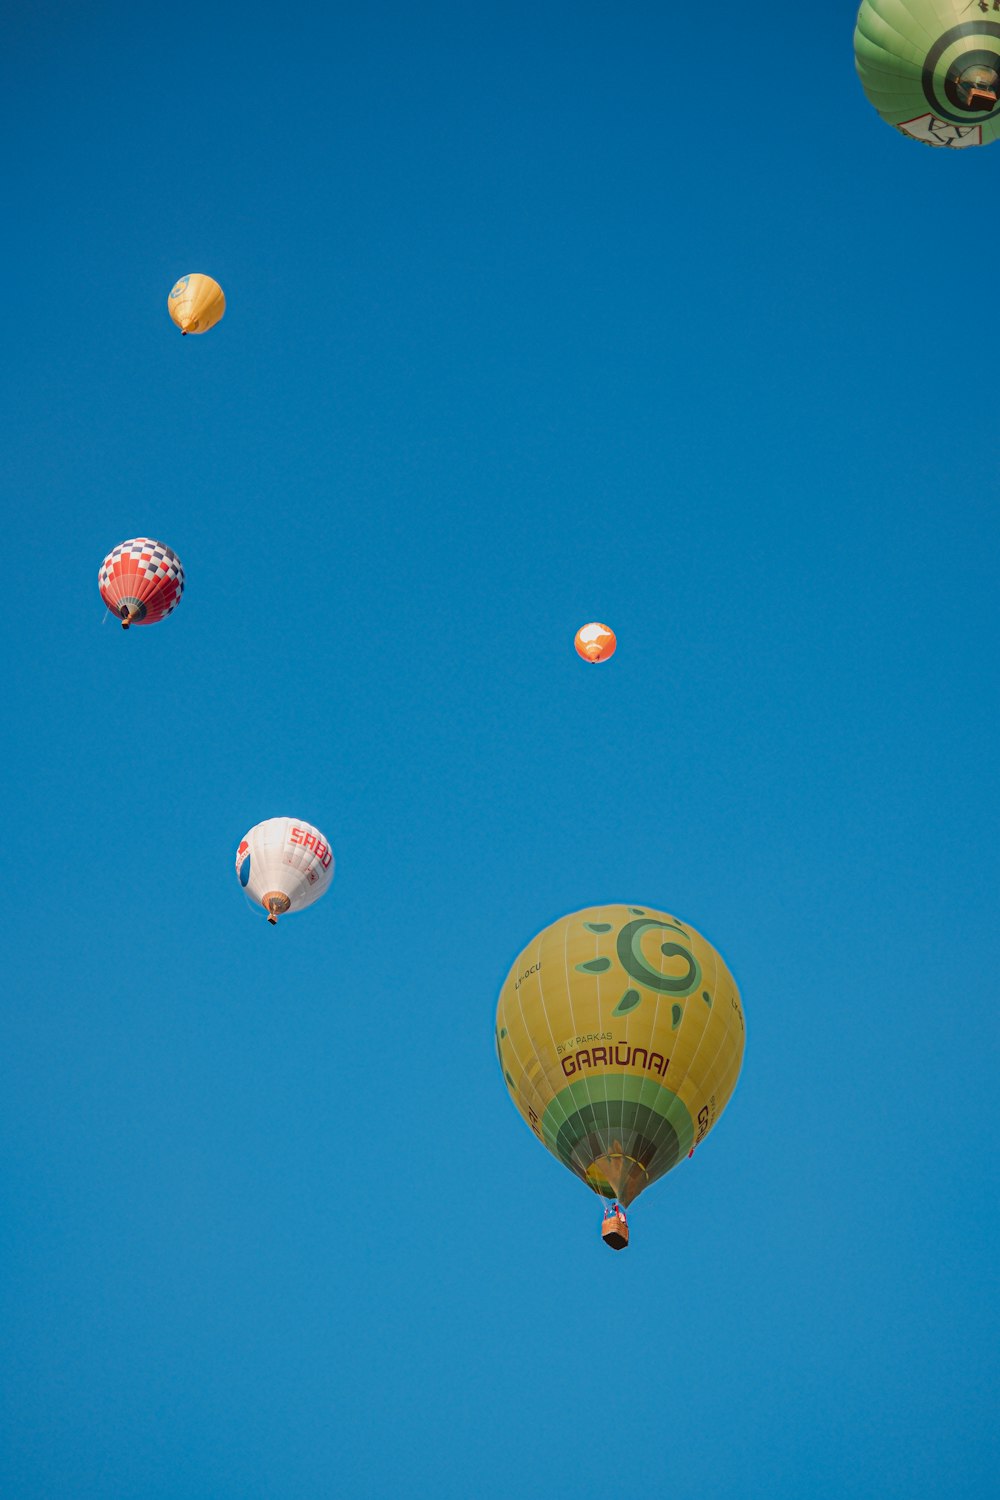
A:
288,856
932,67
620,1036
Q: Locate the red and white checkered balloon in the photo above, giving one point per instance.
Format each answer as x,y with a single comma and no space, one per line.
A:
141,581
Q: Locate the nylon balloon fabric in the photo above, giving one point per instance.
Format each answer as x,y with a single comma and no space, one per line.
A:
932,68
141,581
620,1036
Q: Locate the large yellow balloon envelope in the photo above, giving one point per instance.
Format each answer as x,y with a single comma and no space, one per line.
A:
196,303
620,1035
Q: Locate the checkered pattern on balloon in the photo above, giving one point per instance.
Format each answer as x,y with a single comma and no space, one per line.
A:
144,577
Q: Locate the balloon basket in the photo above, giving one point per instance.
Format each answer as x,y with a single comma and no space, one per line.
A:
614,1231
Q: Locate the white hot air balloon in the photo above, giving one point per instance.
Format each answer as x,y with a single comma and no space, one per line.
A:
284,865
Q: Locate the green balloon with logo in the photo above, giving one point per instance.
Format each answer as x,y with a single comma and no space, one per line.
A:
932,68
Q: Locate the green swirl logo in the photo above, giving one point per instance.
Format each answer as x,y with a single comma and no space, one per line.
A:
631,958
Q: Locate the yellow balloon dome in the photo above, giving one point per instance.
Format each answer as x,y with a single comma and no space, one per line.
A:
196,303
620,1035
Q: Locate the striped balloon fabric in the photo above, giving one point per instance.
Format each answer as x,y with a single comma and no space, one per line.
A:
141,581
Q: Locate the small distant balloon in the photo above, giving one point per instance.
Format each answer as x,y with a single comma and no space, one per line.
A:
196,303
141,581
283,865
595,642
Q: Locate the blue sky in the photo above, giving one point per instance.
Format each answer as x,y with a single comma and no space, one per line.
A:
536,314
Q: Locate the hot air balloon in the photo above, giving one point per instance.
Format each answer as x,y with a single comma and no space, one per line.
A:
595,642
932,67
196,303
284,864
619,1033
141,581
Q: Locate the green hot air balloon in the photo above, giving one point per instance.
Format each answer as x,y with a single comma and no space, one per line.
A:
932,67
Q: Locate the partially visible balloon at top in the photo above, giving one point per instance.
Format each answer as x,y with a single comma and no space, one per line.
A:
595,642
932,68
196,303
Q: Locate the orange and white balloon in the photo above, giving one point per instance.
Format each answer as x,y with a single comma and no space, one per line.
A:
595,642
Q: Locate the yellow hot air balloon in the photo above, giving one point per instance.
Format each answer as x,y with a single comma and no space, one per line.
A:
196,303
620,1035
